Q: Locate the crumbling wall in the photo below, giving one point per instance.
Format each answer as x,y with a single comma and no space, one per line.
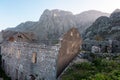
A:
18,64
70,45
32,61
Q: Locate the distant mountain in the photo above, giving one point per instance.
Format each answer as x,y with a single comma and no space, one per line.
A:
105,27
23,26
85,19
53,23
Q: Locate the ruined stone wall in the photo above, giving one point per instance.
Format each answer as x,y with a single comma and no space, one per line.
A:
70,45
32,61
17,61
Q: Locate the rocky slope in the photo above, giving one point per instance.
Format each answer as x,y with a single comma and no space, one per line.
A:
53,23
105,28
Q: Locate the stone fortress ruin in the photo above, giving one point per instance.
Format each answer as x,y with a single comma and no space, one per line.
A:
24,58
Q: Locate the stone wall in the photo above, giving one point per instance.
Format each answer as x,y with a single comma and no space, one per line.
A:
70,45
17,61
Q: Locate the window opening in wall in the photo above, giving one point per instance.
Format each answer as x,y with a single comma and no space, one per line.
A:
19,36
18,54
71,33
11,39
34,57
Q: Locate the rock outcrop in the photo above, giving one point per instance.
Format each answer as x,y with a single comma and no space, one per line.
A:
105,28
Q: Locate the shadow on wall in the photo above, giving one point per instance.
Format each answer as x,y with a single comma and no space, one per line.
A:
2,73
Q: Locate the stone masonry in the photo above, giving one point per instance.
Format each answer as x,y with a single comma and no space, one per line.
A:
23,60
18,62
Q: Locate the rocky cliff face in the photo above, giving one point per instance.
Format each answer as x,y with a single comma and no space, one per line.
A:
53,23
85,19
105,27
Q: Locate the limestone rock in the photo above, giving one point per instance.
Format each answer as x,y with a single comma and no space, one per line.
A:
54,23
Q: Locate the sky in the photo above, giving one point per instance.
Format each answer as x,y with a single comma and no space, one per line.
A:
13,12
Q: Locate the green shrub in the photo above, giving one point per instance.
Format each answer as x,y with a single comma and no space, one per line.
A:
99,76
98,69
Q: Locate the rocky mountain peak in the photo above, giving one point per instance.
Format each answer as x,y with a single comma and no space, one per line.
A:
101,19
54,13
115,16
116,10
105,27
57,11
47,11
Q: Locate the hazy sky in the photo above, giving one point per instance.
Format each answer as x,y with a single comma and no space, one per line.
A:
13,12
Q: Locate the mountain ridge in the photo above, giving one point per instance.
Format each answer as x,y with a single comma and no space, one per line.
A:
53,23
